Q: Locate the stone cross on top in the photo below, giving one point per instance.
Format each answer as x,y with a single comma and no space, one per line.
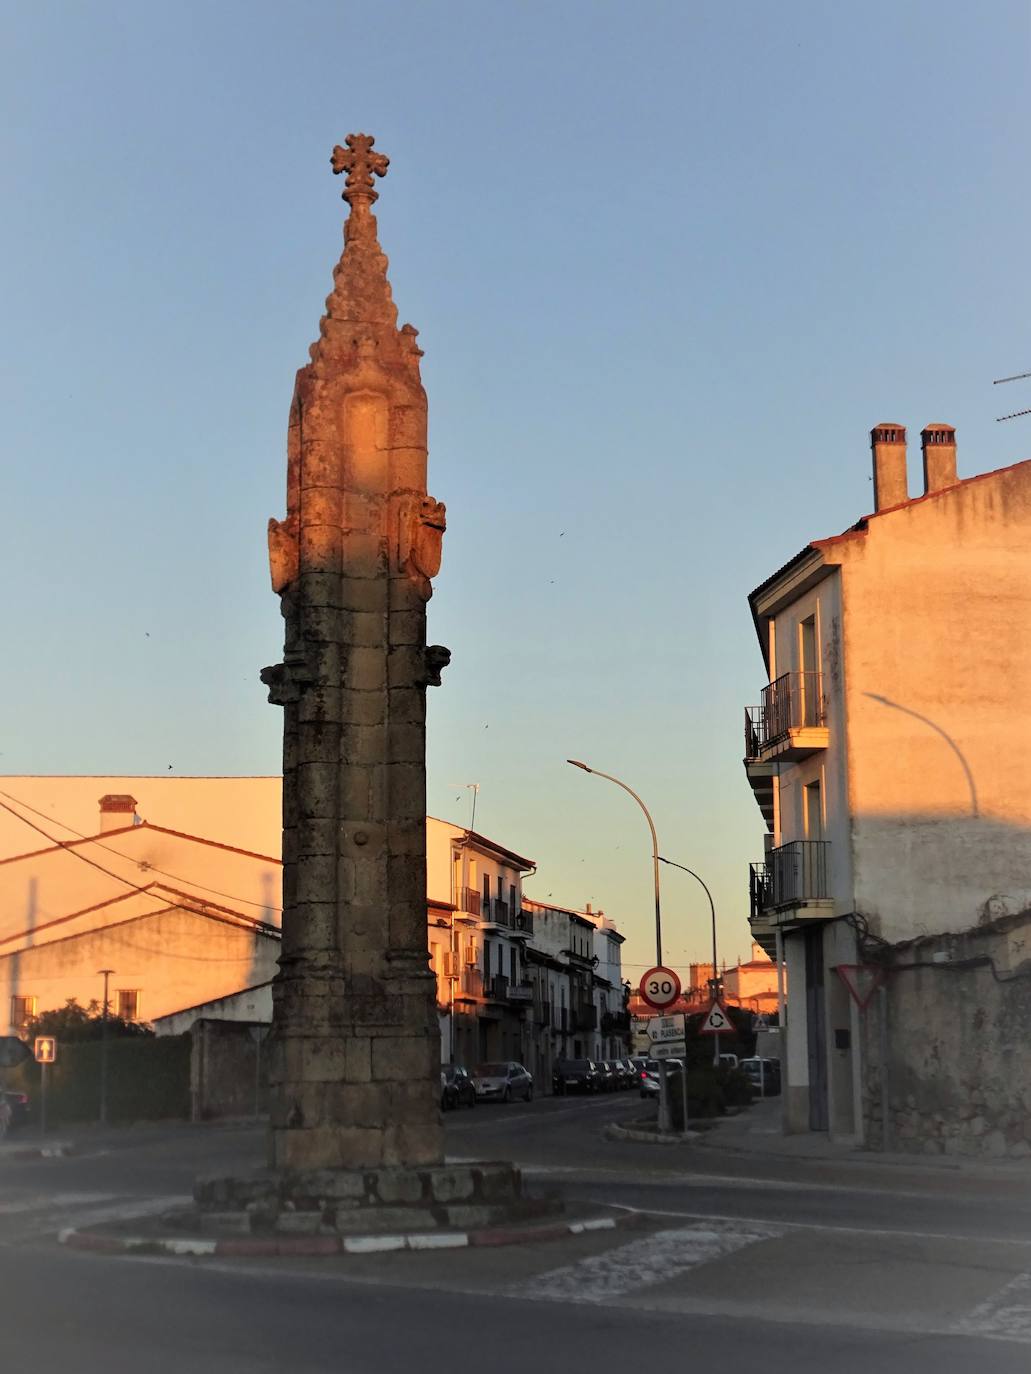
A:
360,163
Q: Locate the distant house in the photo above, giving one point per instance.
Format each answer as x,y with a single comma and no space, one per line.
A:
177,919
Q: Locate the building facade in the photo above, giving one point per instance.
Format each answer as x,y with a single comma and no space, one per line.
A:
888,761
161,881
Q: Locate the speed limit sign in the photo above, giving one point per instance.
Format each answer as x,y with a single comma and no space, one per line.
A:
660,988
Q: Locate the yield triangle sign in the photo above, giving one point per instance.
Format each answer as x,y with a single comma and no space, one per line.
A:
862,981
716,1021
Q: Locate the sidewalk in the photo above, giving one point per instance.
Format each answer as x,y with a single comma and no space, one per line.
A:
757,1131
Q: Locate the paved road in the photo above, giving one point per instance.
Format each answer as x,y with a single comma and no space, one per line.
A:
785,1265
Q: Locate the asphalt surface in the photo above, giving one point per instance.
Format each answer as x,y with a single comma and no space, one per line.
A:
784,1264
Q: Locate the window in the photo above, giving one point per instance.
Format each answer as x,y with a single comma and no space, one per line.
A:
813,812
23,1009
512,963
128,1004
486,895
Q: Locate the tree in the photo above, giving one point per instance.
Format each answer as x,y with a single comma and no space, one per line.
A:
73,1022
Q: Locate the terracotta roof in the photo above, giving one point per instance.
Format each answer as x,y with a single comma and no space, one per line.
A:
132,829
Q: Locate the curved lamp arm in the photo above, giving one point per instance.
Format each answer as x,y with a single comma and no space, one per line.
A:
655,846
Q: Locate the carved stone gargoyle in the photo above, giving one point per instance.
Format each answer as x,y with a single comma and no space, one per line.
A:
286,681
437,659
282,553
420,539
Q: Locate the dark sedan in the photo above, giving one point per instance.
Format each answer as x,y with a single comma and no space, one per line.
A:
575,1076
456,1087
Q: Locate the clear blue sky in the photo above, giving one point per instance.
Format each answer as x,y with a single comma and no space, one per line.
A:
669,261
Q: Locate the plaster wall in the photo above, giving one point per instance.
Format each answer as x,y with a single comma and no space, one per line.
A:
937,655
174,959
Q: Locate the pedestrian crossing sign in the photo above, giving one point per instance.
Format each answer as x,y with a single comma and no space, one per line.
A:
46,1049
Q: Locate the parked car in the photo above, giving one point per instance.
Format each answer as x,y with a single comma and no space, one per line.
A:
503,1082
649,1079
456,1087
608,1079
575,1076
729,1061
763,1074
18,1108
625,1075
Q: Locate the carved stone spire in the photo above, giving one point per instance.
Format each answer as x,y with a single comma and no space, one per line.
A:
360,311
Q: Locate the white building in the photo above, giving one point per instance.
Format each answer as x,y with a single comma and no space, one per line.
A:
890,756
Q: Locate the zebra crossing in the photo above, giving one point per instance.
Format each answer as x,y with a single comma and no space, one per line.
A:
643,1263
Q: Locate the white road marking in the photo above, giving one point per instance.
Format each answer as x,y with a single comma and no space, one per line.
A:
641,1264
47,1216
787,1226
36,1201
1006,1315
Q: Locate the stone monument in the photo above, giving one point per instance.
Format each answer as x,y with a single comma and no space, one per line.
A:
356,1061
355,1128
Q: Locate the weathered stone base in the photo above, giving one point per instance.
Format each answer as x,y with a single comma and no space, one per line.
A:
363,1202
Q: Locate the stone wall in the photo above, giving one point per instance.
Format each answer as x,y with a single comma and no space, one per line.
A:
228,1073
958,1013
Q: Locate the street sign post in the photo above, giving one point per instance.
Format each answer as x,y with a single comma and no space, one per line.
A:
660,988
45,1050
717,1021
662,1028
669,1049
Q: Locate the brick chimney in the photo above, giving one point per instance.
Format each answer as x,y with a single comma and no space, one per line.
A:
890,487
939,445
116,811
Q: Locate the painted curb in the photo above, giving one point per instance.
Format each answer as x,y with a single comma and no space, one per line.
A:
300,1247
617,1132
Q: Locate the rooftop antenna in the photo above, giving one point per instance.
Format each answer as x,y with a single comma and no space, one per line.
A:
1018,377
474,787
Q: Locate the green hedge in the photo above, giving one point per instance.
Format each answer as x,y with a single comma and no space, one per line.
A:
710,1091
148,1079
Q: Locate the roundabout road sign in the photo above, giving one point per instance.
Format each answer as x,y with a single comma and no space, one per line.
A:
660,988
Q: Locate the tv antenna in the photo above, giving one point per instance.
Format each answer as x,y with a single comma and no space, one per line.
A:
474,788
1018,377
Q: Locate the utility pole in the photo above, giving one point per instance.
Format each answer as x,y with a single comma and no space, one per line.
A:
106,974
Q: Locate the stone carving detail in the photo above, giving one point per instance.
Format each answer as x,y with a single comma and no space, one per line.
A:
361,164
421,529
437,659
282,553
286,681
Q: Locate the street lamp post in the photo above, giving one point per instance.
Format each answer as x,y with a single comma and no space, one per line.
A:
715,968
665,1122
106,974
655,846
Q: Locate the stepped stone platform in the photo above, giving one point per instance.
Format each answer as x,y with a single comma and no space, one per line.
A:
341,1202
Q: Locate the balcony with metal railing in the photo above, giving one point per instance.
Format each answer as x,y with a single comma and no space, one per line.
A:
793,883
789,724
471,903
